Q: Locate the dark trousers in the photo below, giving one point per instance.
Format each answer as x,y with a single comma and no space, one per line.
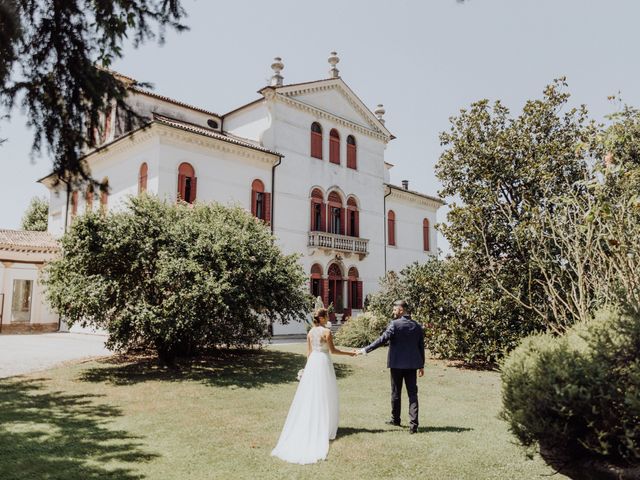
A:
410,380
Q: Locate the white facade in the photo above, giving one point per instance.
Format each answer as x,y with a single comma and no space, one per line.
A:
269,140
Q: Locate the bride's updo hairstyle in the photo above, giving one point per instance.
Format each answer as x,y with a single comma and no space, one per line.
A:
319,313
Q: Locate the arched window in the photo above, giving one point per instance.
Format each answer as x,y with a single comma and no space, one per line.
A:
334,146
187,183
352,161
88,198
336,285
316,283
318,211
391,228
142,178
425,235
316,140
74,203
336,214
104,195
354,289
260,201
353,218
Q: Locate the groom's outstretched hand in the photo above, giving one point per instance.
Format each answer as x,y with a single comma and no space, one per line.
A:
361,351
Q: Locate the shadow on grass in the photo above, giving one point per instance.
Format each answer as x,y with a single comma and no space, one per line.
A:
346,431
53,435
444,429
242,369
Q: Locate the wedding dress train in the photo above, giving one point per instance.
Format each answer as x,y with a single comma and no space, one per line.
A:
313,416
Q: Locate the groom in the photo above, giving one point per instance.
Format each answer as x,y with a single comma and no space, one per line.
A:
405,358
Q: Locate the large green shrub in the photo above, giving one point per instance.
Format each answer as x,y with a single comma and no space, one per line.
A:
465,317
576,398
360,331
175,278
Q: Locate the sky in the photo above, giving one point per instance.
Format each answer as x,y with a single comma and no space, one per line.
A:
423,59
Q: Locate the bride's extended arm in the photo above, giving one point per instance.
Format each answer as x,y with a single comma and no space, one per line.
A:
308,344
333,349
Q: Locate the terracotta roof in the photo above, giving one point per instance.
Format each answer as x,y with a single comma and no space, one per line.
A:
413,192
26,241
225,137
175,102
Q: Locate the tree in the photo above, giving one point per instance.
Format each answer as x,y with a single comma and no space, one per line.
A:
36,218
53,60
175,278
505,172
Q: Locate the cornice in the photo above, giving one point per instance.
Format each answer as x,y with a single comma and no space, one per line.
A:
318,112
171,133
399,194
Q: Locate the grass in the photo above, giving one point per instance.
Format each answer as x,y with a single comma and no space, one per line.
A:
220,418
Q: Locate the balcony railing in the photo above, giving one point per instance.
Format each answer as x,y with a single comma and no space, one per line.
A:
341,243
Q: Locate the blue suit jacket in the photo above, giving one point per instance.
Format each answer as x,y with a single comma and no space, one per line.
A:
406,344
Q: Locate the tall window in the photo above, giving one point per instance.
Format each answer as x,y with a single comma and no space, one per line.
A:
104,195
316,283
318,211
353,220
316,140
336,295
142,178
74,203
354,289
88,199
334,146
425,235
391,228
187,183
260,201
21,300
351,152
336,213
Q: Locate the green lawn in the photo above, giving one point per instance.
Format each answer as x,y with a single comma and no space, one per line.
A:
220,418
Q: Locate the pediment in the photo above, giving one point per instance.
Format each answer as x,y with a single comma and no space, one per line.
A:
336,98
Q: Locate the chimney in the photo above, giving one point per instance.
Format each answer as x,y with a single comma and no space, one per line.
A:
405,184
379,113
333,61
277,66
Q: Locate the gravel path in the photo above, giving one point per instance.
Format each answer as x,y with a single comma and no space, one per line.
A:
29,353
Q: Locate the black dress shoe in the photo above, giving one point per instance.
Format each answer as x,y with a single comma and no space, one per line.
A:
392,422
413,430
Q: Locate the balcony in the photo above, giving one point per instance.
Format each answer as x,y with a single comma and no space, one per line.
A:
339,243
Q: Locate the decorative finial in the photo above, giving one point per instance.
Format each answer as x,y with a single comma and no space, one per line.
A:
277,66
333,61
379,112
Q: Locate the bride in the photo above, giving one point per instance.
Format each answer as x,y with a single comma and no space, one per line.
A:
313,416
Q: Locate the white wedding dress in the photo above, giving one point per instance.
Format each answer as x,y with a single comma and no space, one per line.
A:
313,416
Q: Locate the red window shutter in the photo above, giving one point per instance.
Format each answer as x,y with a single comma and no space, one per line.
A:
254,197
316,145
323,217
325,292
194,189
347,227
391,226
351,156
267,207
425,238
181,186
334,150
350,298
74,203
342,221
358,303
357,222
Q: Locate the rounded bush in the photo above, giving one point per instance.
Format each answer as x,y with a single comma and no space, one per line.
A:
360,331
576,398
